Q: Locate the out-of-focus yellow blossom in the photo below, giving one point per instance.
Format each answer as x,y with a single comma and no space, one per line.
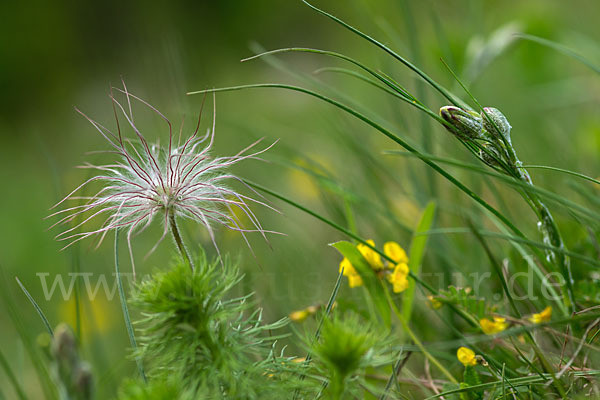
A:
96,316
354,278
435,303
394,251
492,327
543,316
372,257
301,315
398,278
303,180
466,356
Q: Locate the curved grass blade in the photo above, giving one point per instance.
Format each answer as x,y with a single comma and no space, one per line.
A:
387,133
443,91
349,196
28,342
402,93
416,254
564,171
12,378
124,307
541,245
583,211
36,306
560,48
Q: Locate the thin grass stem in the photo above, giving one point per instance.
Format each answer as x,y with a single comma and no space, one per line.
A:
125,309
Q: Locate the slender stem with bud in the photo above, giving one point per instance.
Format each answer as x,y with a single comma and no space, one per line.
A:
491,131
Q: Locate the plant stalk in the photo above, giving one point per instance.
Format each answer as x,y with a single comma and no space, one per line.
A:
179,241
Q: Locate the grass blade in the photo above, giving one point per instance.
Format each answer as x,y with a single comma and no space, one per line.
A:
443,91
12,378
416,253
387,133
564,171
581,210
28,342
36,306
124,307
561,49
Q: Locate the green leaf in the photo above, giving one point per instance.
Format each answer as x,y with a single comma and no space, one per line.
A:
416,253
370,280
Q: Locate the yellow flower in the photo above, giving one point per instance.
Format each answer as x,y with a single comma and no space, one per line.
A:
466,356
492,327
299,316
354,278
372,257
398,278
543,316
395,252
435,303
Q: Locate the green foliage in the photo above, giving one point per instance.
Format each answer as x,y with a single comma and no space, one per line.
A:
218,346
466,299
154,390
346,346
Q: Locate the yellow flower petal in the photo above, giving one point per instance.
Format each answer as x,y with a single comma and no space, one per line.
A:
354,278
347,266
394,251
355,281
466,356
492,327
398,278
542,316
372,257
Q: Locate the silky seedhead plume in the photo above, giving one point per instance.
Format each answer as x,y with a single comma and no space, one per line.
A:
148,181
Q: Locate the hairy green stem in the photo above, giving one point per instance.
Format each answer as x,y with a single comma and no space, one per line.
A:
179,241
550,234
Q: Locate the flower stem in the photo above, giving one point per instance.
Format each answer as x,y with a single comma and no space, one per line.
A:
415,339
179,241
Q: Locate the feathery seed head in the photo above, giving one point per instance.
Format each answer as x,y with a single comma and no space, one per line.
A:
149,181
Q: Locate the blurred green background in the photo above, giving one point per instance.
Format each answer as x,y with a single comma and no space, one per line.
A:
57,55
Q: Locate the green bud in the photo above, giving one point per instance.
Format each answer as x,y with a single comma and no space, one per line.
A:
491,156
494,121
467,124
